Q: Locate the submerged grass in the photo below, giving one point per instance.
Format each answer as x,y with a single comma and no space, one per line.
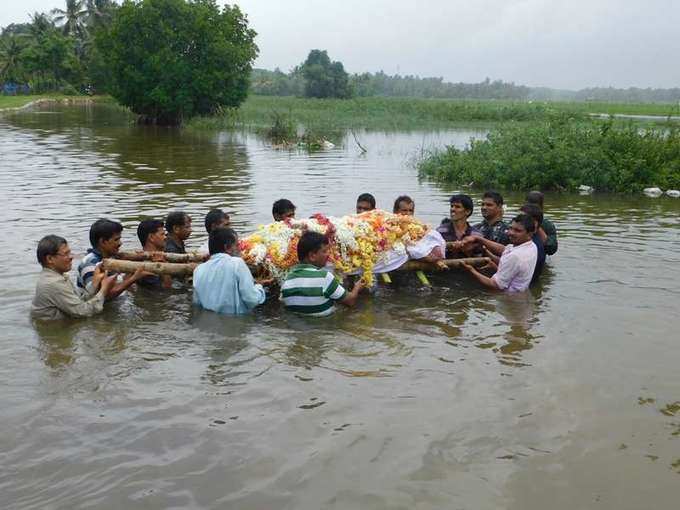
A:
407,113
562,154
372,113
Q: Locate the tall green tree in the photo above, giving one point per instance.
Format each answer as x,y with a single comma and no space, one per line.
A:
51,60
324,78
73,18
99,13
11,47
173,59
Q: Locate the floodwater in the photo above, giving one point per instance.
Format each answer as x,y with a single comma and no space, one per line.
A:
450,397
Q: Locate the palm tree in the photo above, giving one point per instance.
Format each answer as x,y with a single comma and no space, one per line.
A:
10,50
98,12
40,23
73,18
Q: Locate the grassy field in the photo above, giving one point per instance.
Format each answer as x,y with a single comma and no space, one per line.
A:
373,113
661,109
406,113
11,102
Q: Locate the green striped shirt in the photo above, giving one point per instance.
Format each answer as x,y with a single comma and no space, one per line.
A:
311,291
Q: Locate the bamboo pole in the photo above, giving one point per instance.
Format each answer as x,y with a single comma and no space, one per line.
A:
417,265
159,268
139,256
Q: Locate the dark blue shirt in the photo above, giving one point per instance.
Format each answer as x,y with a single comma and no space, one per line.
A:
540,258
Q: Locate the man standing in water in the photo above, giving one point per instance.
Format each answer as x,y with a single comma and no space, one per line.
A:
365,202
309,289
404,205
518,261
151,234
493,227
178,227
105,238
55,295
216,218
536,197
283,209
456,231
224,284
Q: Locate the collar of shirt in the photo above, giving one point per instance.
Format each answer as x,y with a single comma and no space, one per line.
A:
54,274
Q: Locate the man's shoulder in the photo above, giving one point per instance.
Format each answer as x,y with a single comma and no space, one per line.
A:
547,224
306,271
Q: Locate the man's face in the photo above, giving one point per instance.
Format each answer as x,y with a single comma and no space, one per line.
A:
61,262
363,206
157,239
183,231
518,234
491,210
319,258
458,212
406,208
288,215
223,223
111,246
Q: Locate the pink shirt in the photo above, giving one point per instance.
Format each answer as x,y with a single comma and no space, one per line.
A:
516,267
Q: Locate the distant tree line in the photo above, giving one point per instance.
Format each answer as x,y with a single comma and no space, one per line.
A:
278,83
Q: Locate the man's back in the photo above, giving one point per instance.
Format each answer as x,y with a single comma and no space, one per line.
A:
310,290
224,284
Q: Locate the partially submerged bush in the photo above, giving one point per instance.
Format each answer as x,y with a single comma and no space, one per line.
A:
282,129
561,154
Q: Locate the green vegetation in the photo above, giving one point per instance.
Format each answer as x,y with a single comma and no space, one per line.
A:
278,83
561,154
323,78
54,52
373,113
197,61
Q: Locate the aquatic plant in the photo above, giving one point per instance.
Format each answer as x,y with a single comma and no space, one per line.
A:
562,154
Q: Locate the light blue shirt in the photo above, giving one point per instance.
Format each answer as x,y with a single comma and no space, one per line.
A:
224,284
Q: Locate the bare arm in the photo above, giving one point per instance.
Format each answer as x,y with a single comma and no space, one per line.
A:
484,280
493,247
351,297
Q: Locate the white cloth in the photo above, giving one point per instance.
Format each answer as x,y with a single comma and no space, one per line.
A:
393,259
516,267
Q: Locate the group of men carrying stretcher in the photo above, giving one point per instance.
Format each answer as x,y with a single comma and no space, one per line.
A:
516,254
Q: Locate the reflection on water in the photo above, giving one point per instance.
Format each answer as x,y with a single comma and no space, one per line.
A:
420,397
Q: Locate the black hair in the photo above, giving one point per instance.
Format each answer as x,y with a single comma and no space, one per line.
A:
526,221
221,238
103,230
536,198
367,197
399,200
146,228
495,196
534,211
214,216
464,200
175,219
310,242
282,206
49,245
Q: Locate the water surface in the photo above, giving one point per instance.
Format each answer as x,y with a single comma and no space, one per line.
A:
450,397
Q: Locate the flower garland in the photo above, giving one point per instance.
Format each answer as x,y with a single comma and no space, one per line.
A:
357,242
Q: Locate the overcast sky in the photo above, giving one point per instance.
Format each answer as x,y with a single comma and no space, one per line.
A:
555,43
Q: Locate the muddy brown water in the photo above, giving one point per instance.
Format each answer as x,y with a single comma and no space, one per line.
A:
450,397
